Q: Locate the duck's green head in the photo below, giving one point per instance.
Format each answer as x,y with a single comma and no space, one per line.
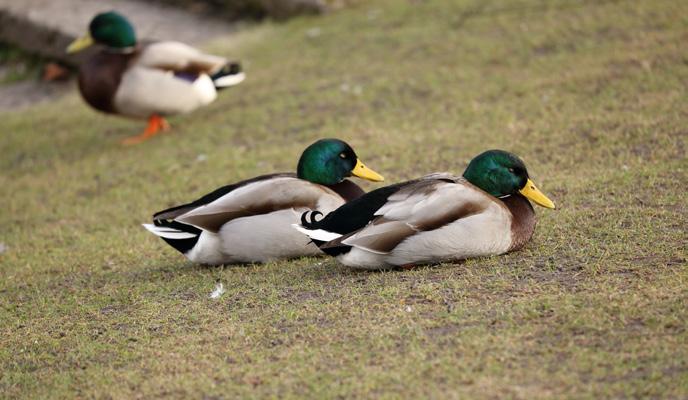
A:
502,174
330,161
109,29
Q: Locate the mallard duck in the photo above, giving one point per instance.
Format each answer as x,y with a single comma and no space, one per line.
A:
250,221
439,217
149,80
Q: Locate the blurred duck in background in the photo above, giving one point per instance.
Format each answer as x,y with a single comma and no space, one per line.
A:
147,80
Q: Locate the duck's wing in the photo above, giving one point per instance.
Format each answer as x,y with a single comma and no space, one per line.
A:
358,213
424,205
258,196
179,57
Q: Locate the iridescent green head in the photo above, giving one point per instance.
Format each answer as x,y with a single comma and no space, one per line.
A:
330,161
113,30
502,174
108,29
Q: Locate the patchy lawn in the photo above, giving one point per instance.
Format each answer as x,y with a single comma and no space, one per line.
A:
591,94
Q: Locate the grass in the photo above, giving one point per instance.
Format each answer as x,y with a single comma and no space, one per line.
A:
592,95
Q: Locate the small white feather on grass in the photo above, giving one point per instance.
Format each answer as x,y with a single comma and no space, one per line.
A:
219,291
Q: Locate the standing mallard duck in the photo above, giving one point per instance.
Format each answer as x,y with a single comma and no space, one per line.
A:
250,221
147,80
436,218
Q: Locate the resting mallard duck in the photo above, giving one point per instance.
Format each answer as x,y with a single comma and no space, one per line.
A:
250,221
436,218
147,80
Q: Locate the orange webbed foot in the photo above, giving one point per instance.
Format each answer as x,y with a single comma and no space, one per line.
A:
156,124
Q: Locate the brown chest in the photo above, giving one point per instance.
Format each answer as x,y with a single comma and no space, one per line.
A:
523,220
99,79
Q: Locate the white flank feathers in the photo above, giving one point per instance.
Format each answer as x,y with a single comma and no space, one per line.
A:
205,89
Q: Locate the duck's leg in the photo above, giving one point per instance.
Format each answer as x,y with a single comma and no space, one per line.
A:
156,124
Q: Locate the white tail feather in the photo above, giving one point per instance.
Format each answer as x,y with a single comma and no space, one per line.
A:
229,80
317,234
167,232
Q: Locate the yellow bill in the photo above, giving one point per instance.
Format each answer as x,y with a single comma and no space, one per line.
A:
80,43
533,193
363,172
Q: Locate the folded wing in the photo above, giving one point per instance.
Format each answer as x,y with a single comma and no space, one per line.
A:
425,205
179,57
260,197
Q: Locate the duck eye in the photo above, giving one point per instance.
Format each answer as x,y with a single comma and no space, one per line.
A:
511,170
342,155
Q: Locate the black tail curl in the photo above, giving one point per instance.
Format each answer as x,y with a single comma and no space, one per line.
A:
308,219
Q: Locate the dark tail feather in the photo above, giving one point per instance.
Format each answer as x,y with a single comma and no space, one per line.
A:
181,236
230,75
308,219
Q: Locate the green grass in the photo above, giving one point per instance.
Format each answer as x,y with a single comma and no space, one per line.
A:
592,95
